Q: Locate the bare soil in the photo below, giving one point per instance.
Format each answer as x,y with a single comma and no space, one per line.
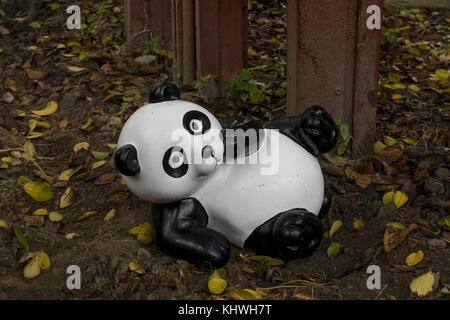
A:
104,249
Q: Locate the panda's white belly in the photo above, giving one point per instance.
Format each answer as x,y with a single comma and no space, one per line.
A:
240,197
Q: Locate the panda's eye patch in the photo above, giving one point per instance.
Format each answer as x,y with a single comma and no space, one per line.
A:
174,162
196,122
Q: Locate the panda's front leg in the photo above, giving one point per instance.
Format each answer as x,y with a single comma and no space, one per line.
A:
292,234
315,129
182,232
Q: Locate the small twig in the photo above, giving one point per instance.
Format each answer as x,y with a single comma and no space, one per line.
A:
381,291
280,108
11,149
138,33
281,287
289,285
46,177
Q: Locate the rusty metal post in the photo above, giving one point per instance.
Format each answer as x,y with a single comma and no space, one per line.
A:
209,38
149,19
221,36
135,20
330,52
188,41
183,38
368,51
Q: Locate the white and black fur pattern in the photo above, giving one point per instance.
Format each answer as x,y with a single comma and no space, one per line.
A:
202,207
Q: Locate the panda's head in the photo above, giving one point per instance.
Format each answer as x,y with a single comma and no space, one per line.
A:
168,148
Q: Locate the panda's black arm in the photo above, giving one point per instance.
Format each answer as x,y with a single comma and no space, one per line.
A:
239,122
315,129
239,126
182,232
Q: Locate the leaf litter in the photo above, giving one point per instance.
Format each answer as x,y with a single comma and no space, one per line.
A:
74,125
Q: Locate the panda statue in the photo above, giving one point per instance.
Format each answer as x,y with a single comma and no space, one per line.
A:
214,184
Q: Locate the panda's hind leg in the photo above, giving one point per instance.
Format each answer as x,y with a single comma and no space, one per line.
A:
292,234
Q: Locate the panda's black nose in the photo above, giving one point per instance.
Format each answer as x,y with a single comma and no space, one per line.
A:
126,160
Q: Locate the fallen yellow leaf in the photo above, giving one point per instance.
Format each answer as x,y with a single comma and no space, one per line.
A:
379,146
396,225
39,191
334,249
80,146
87,125
414,88
34,135
414,258
358,224
33,268
66,174
136,267
217,285
145,233
400,199
70,236
41,212
252,52
74,68
87,215
51,107
245,294
396,97
111,213
67,198
410,141
389,141
335,227
98,164
424,284
45,265
388,197
3,224
100,155
55,216
28,151
33,124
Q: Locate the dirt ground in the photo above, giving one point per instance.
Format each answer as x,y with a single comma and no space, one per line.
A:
94,102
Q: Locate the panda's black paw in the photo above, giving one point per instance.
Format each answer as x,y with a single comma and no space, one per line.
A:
297,234
215,252
317,130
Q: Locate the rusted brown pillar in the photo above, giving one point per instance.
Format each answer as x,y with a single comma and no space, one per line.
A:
149,19
210,38
333,61
222,36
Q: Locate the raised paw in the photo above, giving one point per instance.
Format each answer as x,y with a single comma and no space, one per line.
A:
297,234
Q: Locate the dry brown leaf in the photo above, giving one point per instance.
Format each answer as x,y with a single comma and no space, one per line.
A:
302,296
362,180
3,31
35,74
393,237
337,161
105,178
67,198
36,221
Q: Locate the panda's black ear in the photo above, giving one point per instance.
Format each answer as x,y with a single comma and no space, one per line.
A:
164,92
